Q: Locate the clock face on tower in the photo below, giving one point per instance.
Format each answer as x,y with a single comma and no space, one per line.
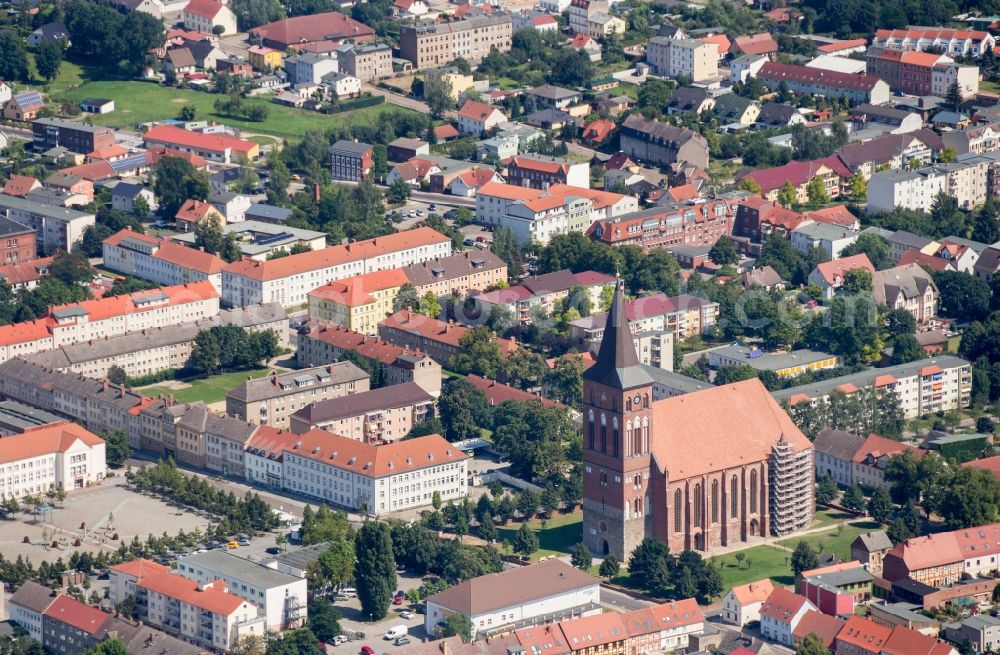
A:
637,399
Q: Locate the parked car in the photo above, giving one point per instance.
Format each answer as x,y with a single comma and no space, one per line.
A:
401,641
406,614
244,542
367,650
339,639
469,242
273,550
451,214
398,600
341,597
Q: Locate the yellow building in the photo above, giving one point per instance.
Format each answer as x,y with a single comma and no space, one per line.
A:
357,303
264,58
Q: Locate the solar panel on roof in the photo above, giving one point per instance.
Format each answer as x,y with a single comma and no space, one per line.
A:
128,163
30,98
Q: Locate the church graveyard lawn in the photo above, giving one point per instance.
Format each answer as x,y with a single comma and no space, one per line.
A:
836,540
558,537
765,562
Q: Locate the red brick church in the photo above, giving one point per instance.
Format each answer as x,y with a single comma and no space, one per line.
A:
697,471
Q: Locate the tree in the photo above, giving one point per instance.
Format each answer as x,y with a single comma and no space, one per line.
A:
48,57
463,409
113,646
117,375
297,642
176,180
804,558
335,565
872,245
571,68
610,567
648,564
816,192
954,96
858,188
525,540
897,531
398,192
826,490
947,155
749,184
564,381
854,498
375,571
479,353
438,95
187,113
880,505
787,196
986,225
906,349
457,624
812,645
13,58
140,207
962,296
324,619
858,280
969,498
581,557
723,253
429,305
116,449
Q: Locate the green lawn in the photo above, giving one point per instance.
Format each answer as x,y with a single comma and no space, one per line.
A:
625,90
558,536
837,540
764,562
260,139
141,102
208,390
830,516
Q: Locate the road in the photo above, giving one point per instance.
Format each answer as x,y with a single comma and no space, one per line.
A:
443,199
401,100
620,602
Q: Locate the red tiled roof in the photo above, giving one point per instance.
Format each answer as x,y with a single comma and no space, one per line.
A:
864,634
210,597
834,271
720,40
823,625
782,605
434,330
884,380
140,568
803,74
169,135
846,44
593,631
498,393
155,153
174,253
193,211
356,291
598,130
270,442
94,171
81,616
45,439
753,592
476,111
796,173
923,259
375,460
991,464
204,8
683,192
446,131
333,255
20,185
756,44
833,215
327,26
931,33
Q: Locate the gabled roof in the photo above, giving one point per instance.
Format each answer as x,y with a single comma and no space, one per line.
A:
756,44
753,592
44,440
864,634
782,605
33,596
826,627
797,173
373,460
204,8
327,26
874,541
498,392
477,111
773,70
81,616
833,272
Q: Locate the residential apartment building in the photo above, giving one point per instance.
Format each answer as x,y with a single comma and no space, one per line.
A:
921,73
743,602
381,415
902,242
160,260
280,598
696,60
319,345
424,334
18,243
213,147
260,240
836,589
73,135
27,605
780,615
982,632
662,143
263,458
458,274
828,239
542,172
60,455
271,400
56,228
684,316
477,118
537,298
70,626
431,44
698,223
154,350
593,18
288,280
108,317
498,603
204,614
357,303
830,84
309,68
835,450
350,161
951,41
925,386
914,190
375,479
366,62
908,287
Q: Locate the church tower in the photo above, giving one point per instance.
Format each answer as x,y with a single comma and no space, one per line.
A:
617,426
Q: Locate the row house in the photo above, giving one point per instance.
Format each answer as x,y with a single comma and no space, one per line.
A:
435,338
683,316
541,172
288,280
925,386
829,84
382,415
160,260
544,296
952,41
691,223
429,44
921,73
831,170
321,344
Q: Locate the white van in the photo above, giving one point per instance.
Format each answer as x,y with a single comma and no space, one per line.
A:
396,631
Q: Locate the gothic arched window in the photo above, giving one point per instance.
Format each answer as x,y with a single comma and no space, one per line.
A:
753,491
697,504
734,498
678,509
715,501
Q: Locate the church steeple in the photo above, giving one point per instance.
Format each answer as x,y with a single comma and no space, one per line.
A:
617,365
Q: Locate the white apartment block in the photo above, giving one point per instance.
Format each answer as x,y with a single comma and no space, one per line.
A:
375,479
925,386
696,60
281,598
58,456
57,228
889,190
950,41
830,239
943,76
288,280
92,320
539,219
159,260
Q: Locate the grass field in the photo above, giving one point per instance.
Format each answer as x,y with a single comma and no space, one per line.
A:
208,390
764,562
836,540
558,536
